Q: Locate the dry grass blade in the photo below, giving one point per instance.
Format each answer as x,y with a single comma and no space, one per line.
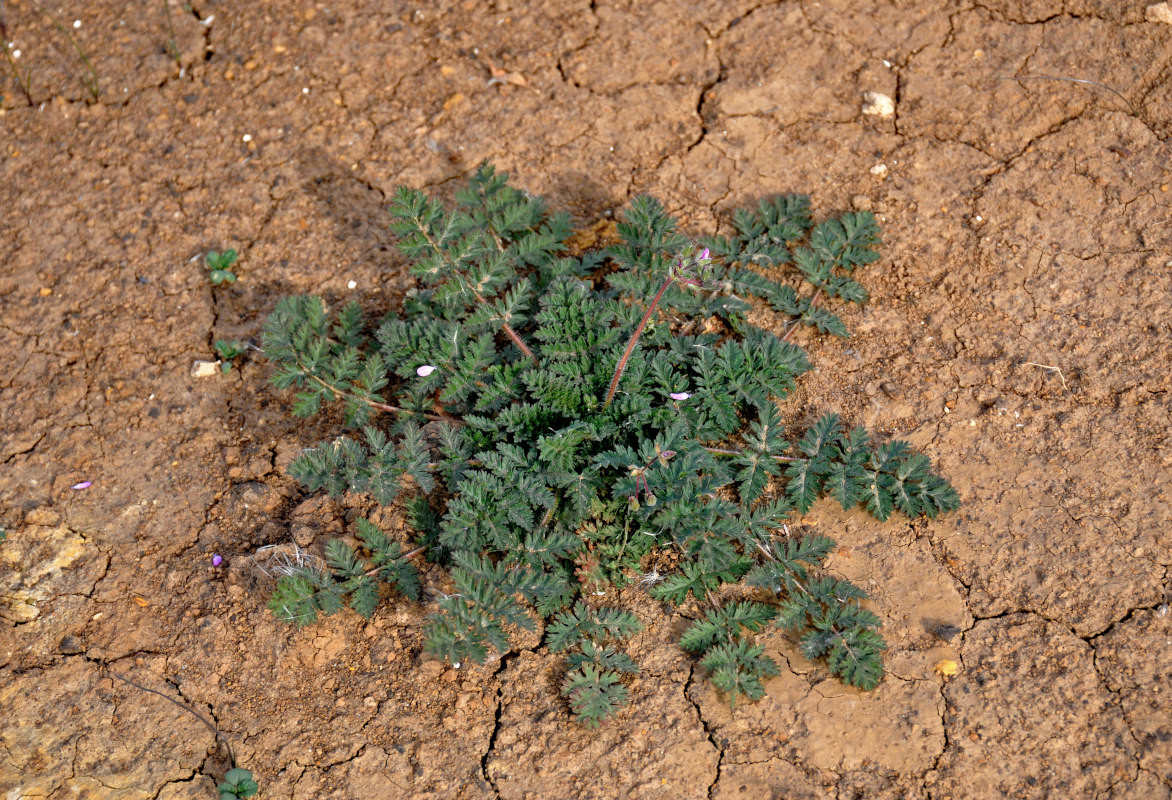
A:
1083,81
91,83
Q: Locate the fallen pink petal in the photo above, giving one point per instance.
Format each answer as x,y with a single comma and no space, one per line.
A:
82,485
217,560
425,370
679,395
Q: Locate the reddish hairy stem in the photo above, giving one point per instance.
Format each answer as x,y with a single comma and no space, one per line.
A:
371,573
798,321
512,334
720,451
372,403
622,365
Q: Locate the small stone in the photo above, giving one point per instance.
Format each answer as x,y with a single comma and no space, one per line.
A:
879,170
878,105
860,202
70,646
1159,12
303,535
205,369
44,517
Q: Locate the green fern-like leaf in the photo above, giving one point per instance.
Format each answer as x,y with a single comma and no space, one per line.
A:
594,694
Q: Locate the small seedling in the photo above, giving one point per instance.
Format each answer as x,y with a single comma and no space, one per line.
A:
559,426
220,266
227,351
237,783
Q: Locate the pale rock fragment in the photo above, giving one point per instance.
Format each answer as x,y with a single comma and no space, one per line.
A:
1159,12
204,369
878,105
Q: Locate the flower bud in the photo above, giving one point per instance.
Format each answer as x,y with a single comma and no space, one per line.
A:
633,503
650,500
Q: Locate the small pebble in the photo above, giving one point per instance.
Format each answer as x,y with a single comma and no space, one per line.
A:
352,285
1159,12
205,369
878,105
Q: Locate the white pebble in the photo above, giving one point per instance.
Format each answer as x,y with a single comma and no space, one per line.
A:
352,285
204,369
879,170
247,137
76,24
1159,12
305,90
878,105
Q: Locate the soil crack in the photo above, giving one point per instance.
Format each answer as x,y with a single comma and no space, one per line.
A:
707,731
496,725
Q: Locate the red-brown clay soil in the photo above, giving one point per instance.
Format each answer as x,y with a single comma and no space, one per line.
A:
1019,331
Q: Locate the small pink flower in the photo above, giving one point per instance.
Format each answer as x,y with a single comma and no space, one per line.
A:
679,395
82,485
704,254
425,370
217,560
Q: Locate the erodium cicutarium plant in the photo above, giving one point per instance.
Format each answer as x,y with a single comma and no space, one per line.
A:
553,424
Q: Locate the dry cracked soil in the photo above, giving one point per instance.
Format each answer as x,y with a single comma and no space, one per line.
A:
1018,331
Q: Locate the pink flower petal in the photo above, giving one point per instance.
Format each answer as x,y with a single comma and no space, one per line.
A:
425,370
704,254
679,395
217,560
82,485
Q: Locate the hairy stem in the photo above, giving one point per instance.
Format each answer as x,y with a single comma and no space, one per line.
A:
798,321
339,394
372,573
512,334
720,451
622,365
